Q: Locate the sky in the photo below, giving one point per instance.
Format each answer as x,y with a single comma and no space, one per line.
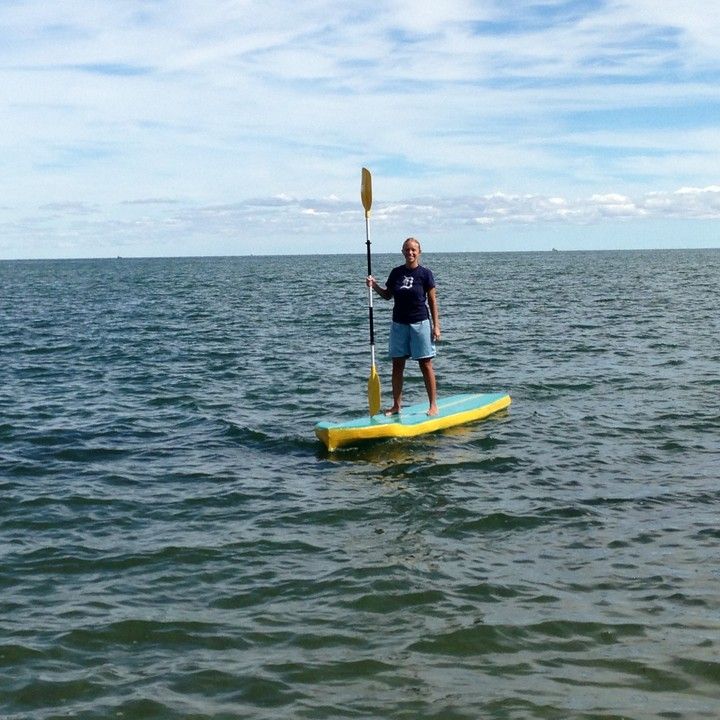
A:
235,127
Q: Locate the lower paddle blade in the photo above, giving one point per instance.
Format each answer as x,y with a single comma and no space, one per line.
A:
374,391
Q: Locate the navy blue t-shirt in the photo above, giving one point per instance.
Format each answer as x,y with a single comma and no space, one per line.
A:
409,289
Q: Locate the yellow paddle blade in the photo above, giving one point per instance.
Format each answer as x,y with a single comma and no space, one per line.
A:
366,190
374,391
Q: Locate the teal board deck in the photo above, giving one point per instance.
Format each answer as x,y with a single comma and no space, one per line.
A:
412,420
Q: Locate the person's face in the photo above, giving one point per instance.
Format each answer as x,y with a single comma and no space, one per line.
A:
411,251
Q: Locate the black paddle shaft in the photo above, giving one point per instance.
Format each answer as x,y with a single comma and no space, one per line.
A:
370,307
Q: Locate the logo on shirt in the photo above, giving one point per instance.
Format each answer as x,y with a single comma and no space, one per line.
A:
407,283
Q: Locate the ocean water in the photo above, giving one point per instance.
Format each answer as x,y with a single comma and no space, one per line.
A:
175,543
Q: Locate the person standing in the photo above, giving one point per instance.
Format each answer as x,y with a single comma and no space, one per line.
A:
415,322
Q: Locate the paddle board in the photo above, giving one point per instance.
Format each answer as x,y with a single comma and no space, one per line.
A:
412,420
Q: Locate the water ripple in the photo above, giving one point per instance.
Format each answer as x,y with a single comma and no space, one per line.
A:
174,542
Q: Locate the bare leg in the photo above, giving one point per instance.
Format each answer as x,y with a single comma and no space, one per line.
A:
398,370
429,377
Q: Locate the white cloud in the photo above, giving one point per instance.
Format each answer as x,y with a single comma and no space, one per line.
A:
325,225
206,105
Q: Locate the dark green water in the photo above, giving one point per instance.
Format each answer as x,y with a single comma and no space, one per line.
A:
174,542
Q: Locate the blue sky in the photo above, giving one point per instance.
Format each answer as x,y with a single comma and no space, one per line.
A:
160,127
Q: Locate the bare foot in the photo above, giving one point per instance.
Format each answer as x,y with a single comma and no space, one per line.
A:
394,410
432,410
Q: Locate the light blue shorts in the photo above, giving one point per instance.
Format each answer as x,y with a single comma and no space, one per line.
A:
413,341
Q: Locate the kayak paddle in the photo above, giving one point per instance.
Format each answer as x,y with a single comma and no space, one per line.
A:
373,386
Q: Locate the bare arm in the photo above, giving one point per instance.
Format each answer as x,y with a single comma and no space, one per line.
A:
434,313
381,291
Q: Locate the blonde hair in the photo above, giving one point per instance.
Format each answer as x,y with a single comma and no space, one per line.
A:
412,239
